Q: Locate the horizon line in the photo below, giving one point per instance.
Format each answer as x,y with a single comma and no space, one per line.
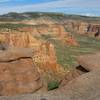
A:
86,15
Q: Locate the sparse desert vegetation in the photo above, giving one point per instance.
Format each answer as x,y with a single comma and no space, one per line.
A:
46,46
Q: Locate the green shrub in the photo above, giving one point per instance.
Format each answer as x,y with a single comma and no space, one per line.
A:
53,85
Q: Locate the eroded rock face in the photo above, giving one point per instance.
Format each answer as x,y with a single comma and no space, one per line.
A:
56,30
18,74
94,29
69,77
84,87
18,39
91,29
89,62
45,58
43,52
45,55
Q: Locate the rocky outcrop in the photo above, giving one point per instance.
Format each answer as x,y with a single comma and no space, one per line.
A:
18,74
13,53
90,29
86,28
55,30
87,63
79,86
44,53
85,87
94,29
19,39
69,77
45,58
90,62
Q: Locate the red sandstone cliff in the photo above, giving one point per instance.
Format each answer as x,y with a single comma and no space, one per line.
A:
43,52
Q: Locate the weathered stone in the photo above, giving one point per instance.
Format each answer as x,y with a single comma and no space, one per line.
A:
69,77
13,53
86,28
85,87
90,62
18,74
42,52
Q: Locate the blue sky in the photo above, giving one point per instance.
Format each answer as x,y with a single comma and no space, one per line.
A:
83,7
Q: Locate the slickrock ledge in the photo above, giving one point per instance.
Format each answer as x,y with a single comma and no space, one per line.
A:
89,62
13,53
18,74
84,87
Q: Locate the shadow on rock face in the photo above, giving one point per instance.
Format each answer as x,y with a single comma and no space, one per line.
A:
73,74
80,68
3,46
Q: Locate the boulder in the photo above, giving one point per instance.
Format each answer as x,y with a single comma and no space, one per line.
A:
69,77
18,74
13,53
89,62
85,87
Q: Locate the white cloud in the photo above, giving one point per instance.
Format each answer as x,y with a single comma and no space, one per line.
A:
90,14
66,3
84,4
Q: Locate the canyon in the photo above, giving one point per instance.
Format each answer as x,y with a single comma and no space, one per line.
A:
48,53
87,28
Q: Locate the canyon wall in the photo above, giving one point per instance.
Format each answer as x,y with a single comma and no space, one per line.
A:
87,28
42,57
43,51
